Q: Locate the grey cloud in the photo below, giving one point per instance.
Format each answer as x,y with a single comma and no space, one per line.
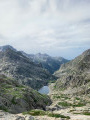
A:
62,25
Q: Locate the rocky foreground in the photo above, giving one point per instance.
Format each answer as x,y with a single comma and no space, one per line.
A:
8,116
70,110
76,107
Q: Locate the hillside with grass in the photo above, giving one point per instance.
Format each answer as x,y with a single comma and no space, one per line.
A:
17,98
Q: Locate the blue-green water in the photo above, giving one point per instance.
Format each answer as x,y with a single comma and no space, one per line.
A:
44,90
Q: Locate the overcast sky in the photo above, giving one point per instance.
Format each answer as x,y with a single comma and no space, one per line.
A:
55,27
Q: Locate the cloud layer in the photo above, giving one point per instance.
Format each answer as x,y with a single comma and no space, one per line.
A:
56,27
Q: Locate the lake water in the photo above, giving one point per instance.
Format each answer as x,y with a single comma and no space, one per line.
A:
44,90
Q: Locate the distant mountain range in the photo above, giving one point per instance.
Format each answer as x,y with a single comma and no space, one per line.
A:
15,65
74,76
52,64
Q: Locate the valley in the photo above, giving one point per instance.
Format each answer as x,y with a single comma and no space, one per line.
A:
30,91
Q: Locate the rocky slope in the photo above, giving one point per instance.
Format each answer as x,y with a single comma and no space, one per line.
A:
15,65
75,75
16,98
52,64
70,94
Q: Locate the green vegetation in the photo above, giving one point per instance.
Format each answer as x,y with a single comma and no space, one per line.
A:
71,110
13,101
77,113
86,113
77,98
79,105
66,104
58,116
54,86
58,88
42,113
36,112
3,108
60,96
11,92
52,81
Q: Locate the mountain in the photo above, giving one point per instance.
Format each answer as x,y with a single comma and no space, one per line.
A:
15,65
4,48
52,64
16,98
74,76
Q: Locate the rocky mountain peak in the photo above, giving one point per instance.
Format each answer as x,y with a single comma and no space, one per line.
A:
48,62
40,55
87,52
6,47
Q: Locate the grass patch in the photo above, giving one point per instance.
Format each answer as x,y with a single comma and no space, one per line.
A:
86,113
42,113
71,110
52,81
36,112
77,113
77,98
58,116
60,97
79,105
17,92
54,86
64,104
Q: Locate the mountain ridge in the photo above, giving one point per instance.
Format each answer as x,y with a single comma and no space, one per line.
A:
5,47
52,64
15,65
75,73
46,61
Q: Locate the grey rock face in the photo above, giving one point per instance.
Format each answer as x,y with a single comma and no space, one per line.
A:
75,74
20,118
29,118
